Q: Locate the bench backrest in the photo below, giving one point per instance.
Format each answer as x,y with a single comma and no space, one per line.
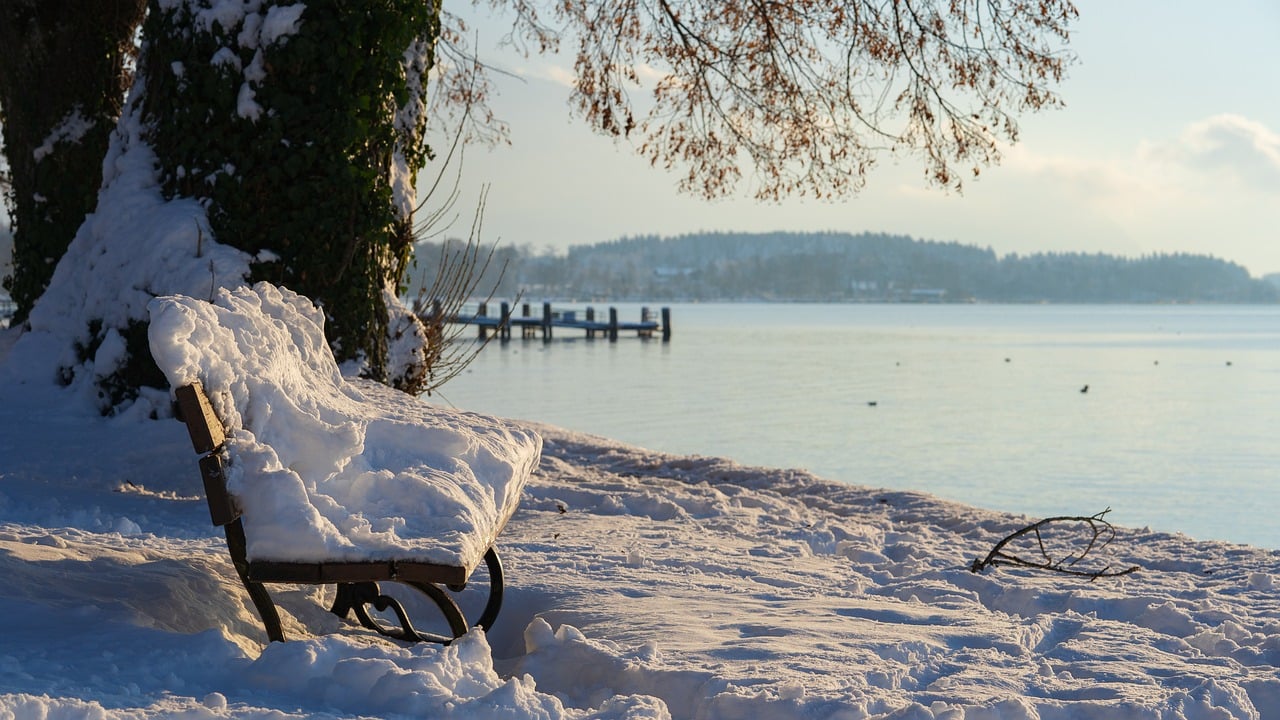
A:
208,437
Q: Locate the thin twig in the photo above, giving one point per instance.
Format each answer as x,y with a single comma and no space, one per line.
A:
437,305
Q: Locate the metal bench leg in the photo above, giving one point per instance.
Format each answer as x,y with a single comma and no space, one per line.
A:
355,597
494,604
257,591
452,613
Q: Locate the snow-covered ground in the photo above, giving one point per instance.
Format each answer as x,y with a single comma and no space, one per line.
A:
640,585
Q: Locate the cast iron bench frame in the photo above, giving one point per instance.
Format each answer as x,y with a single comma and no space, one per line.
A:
357,582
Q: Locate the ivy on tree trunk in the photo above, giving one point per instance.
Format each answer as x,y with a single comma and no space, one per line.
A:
301,129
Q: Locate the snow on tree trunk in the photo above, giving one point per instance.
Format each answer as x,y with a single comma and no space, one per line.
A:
263,140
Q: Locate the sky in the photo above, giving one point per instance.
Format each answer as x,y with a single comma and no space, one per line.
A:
1169,142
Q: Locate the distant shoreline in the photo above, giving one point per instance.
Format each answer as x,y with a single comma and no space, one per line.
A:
849,268
570,300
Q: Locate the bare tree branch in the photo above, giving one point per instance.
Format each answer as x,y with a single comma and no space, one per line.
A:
1097,534
804,96
457,277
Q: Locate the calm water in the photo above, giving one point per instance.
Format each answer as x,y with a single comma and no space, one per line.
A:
976,403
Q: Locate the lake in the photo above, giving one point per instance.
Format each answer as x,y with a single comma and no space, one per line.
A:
981,404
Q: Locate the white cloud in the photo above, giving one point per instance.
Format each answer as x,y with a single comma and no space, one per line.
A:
1208,188
649,75
1228,146
559,75
563,75
1210,161
539,69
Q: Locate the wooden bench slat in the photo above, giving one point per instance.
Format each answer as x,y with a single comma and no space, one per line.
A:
202,423
318,573
339,572
423,572
222,507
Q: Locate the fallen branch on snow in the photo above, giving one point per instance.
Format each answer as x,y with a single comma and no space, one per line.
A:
1099,532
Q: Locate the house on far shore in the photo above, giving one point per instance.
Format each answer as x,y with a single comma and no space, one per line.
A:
927,295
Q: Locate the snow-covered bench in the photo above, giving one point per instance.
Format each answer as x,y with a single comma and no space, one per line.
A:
318,478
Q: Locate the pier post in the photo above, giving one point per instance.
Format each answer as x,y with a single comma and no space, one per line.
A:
591,317
482,312
526,330
546,322
666,324
504,324
644,318
613,324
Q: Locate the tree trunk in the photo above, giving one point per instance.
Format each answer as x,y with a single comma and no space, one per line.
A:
261,141
62,81
302,130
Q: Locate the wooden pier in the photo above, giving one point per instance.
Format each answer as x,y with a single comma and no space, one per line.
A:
531,326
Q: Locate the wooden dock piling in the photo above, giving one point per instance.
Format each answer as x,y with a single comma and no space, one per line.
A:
587,320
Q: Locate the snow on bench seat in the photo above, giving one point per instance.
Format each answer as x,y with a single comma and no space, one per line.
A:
325,468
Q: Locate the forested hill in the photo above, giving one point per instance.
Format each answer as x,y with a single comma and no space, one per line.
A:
866,267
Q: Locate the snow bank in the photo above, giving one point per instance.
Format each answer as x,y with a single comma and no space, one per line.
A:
330,469
136,245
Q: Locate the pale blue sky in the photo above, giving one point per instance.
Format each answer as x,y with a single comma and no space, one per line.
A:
1170,142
